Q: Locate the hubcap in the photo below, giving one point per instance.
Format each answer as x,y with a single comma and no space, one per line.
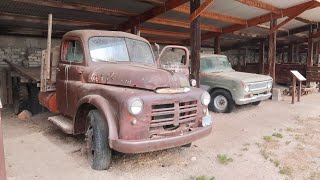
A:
220,102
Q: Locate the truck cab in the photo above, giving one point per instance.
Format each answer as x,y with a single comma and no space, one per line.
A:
108,86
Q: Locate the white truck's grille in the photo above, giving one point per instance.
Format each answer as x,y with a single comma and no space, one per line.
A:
258,86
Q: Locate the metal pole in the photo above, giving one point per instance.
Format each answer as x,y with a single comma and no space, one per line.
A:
2,163
47,72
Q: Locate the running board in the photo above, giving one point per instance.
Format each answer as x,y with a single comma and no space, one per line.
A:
63,123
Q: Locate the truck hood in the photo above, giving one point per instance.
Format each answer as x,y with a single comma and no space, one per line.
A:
134,75
241,76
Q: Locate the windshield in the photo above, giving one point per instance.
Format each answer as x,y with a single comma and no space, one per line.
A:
215,64
119,49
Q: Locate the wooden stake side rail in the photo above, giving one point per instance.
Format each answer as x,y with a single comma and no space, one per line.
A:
31,73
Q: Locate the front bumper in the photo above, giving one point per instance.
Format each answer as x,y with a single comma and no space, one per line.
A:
133,146
256,98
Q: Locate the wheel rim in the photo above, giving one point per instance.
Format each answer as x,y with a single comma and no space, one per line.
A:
220,102
90,144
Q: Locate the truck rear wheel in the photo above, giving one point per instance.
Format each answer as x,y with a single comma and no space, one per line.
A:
98,149
221,101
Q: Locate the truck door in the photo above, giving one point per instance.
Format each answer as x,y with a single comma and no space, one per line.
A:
175,58
69,75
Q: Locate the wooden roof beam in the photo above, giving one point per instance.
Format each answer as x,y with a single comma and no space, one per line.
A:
200,10
79,7
305,20
44,20
164,33
212,15
182,24
154,12
267,17
297,13
261,5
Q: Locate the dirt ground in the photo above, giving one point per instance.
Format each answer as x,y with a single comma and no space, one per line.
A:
275,140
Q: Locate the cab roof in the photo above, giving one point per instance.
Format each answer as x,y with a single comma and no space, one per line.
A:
86,34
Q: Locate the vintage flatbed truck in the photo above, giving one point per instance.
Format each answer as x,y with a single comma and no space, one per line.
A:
108,86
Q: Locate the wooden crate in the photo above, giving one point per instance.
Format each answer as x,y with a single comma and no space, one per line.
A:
5,87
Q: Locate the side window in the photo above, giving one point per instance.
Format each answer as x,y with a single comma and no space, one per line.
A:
73,51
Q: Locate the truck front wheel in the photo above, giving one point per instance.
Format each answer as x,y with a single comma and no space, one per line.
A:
98,149
221,101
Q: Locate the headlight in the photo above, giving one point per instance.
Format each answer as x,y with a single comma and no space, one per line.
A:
135,106
246,88
205,98
193,82
269,85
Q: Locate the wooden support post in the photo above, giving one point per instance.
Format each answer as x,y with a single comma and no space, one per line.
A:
272,50
244,57
290,53
2,162
317,52
294,82
261,57
297,55
217,48
195,42
299,91
310,49
135,30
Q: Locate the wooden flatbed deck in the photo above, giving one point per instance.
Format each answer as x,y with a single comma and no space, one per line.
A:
32,73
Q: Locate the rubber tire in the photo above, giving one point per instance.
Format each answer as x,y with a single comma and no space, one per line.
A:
20,98
256,103
227,95
98,132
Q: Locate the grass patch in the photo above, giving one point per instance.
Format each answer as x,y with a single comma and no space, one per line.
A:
286,170
267,138
278,135
245,149
289,129
224,159
288,142
264,153
201,178
276,163
246,144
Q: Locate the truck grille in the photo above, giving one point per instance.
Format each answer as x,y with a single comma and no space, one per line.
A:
173,114
258,86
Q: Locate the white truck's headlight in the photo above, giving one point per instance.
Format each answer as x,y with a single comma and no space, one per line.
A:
193,82
135,106
269,85
205,98
246,88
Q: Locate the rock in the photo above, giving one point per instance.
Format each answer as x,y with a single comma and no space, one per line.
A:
276,94
193,159
24,115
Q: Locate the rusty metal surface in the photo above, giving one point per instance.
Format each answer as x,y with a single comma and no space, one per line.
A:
109,87
31,73
2,160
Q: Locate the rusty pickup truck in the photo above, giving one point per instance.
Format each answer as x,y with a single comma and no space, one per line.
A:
108,86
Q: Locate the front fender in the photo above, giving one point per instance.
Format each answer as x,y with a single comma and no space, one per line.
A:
103,106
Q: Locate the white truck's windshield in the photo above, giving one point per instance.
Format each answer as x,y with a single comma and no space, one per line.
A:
119,49
215,64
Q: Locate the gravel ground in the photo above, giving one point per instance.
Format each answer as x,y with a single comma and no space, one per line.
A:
252,143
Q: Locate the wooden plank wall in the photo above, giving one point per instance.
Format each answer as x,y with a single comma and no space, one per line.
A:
5,87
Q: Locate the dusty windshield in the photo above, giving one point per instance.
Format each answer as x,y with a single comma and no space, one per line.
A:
215,64
119,49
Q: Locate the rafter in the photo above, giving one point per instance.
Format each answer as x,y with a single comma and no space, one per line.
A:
164,33
261,5
200,10
298,12
154,12
267,17
212,15
182,24
41,20
79,7
305,20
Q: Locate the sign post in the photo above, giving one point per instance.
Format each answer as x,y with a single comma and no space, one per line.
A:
2,163
296,76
